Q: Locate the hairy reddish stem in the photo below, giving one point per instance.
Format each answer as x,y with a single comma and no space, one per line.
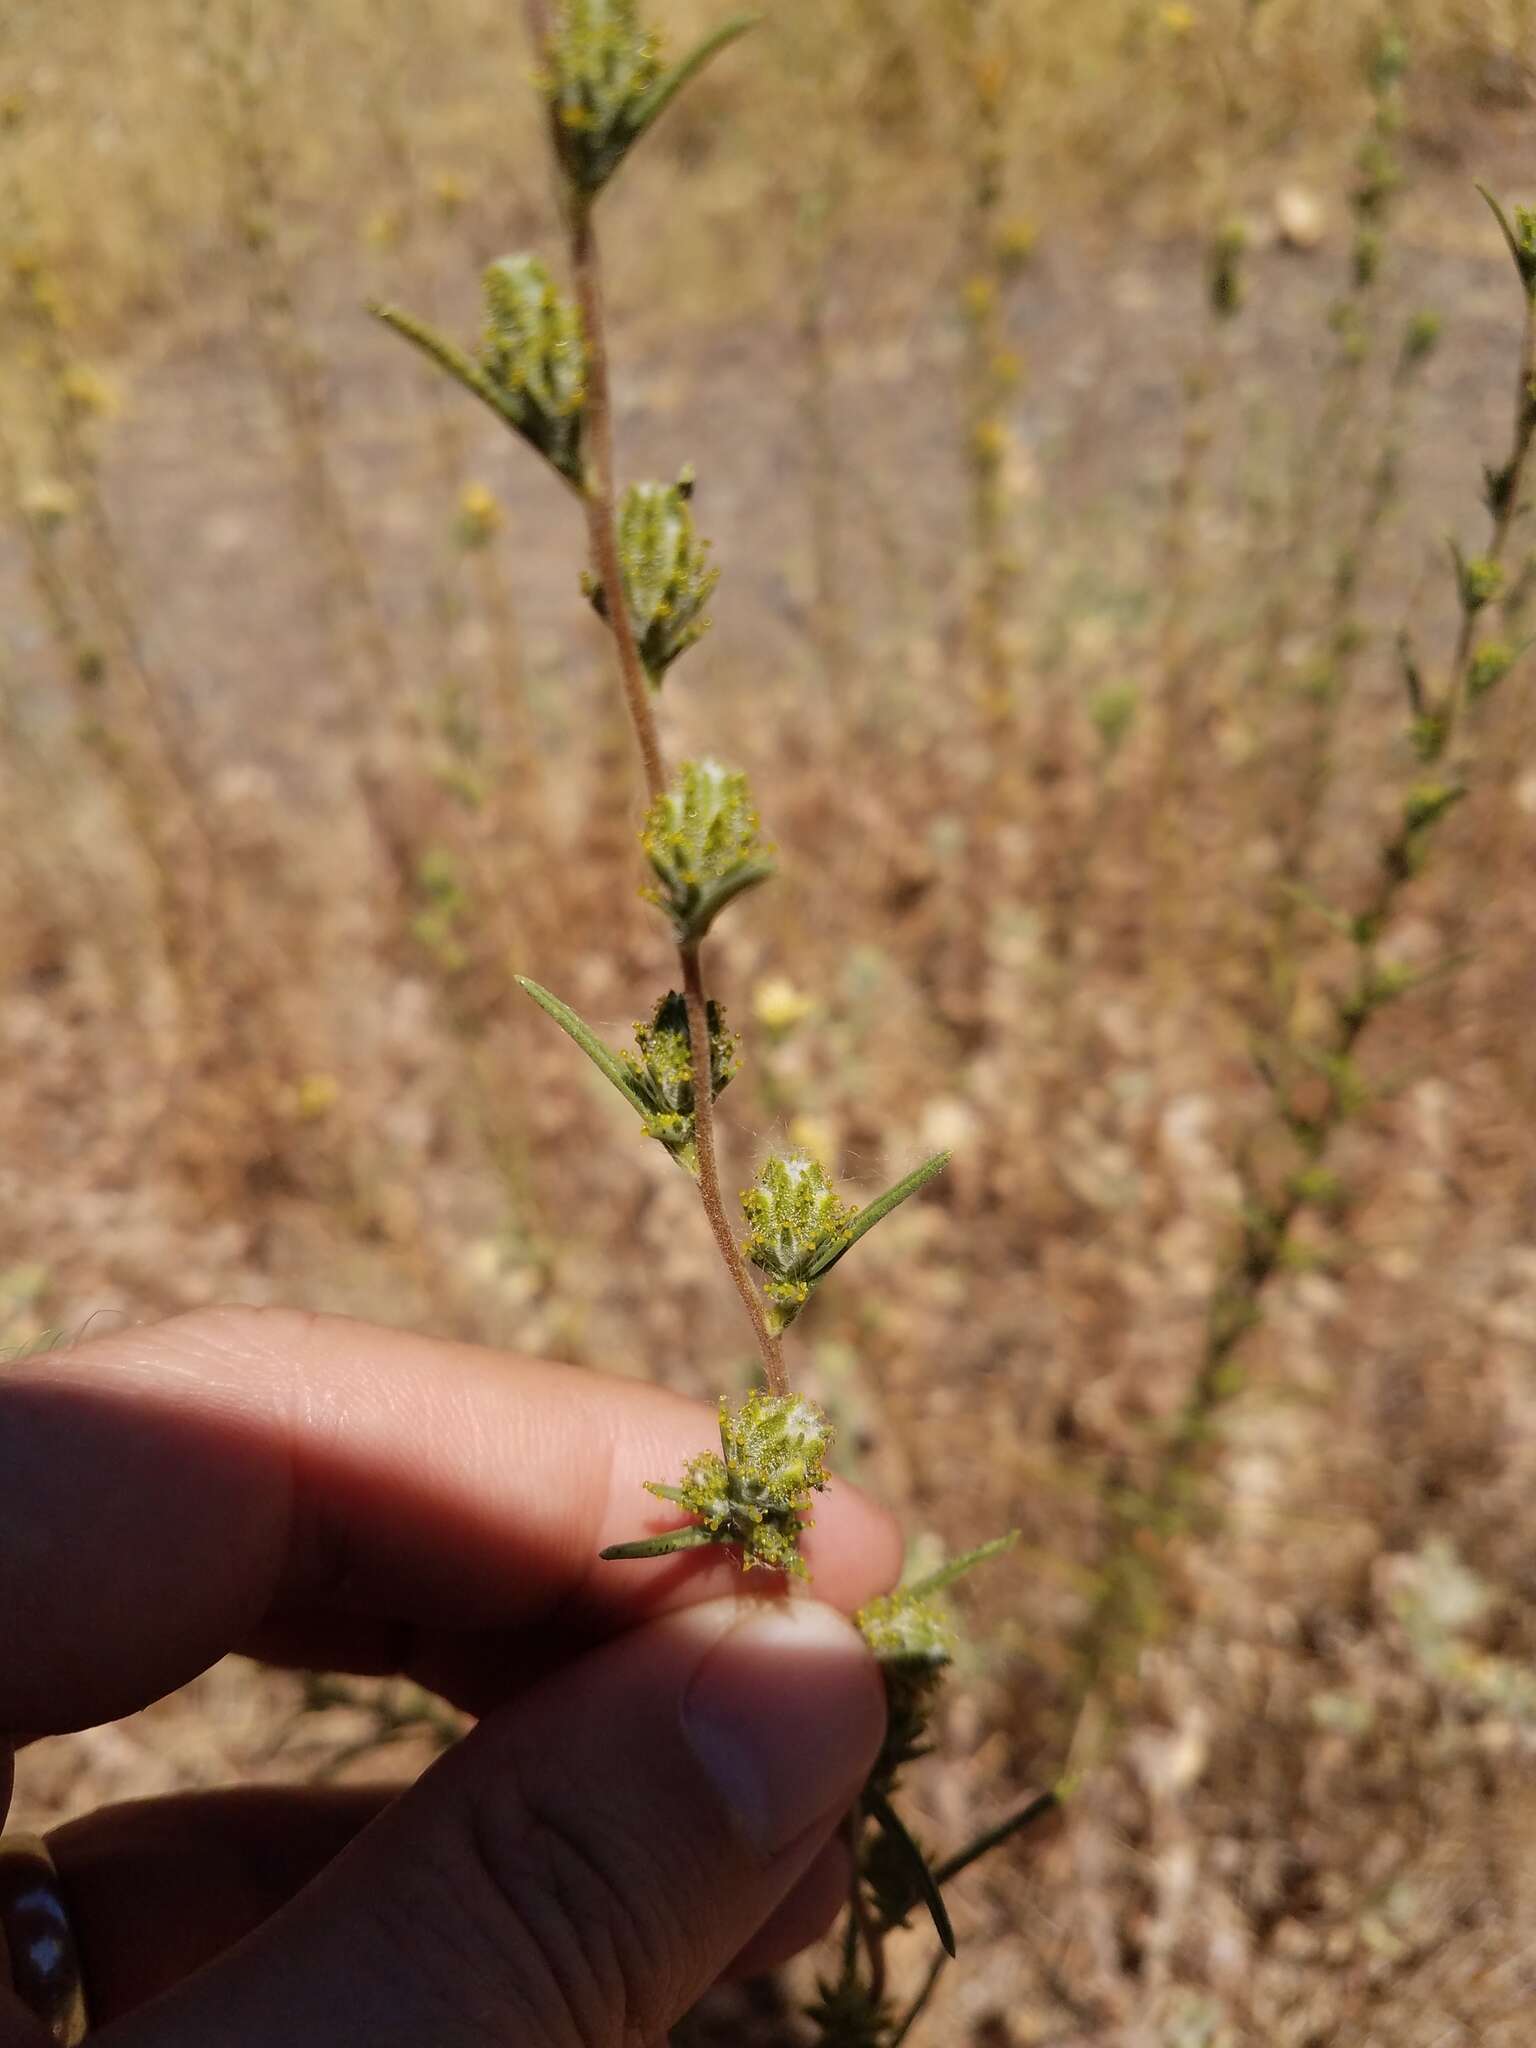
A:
709,1170
598,497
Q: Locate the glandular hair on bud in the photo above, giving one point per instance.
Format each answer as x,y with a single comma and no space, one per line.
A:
794,1217
703,839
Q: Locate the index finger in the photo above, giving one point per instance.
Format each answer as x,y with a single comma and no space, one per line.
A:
256,1476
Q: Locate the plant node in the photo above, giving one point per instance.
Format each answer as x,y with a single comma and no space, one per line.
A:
532,366
702,838
662,1072
796,1219
753,1494
668,576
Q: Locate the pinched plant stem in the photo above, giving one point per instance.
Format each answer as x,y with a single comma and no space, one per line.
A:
709,1170
602,525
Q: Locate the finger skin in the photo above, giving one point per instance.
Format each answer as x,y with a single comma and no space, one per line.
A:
580,1869
157,1888
260,1478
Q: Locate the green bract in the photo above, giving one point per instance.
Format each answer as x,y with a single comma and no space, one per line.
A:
913,1635
532,366
658,1082
754,1493
1427,803
796,1220
1520,239
1488,667
601,69
605,84
668,576
799,1228
662,1071
1479,579
702,839
914,1638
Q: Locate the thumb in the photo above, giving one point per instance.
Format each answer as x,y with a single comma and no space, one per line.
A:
583,1866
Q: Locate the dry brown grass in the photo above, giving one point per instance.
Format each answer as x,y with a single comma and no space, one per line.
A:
1314,1825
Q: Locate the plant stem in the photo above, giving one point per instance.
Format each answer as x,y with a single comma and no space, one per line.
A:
709,1170
1504,514
994,1837
919,2005
1337,651
866,1924
598,497
1117,1620
989,370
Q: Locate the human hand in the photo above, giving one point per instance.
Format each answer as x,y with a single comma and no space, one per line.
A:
647,1803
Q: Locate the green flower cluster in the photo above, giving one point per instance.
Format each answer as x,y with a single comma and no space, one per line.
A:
913,1635
532,366
796,1220
656,1081
703,840
668,576
534,352
602,68
661,1073
755,1491
915,1639
604,83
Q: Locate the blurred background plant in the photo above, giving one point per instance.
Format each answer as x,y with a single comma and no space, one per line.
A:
253,568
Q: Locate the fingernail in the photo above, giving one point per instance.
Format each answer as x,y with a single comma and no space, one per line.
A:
785,1714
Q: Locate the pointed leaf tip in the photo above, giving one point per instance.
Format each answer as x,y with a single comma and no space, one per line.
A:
683,73
691,1538
876,1211
602,1058
957,1567
1524,257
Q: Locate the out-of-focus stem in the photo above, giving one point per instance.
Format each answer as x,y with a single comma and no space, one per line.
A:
864,1922
1115,1619
1504,513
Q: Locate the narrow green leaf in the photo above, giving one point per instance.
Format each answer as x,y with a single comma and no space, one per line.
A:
440,350
922,1877
1034,1809
666,90
605,1061
1508,232
464,370
712,901
691,1538
957,1567
876,1211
